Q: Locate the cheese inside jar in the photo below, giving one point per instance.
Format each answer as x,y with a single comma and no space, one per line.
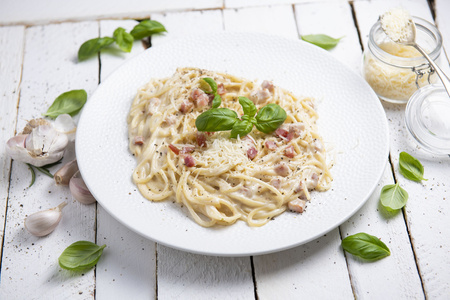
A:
396,71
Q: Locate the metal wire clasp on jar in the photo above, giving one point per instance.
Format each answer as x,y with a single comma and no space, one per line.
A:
396,71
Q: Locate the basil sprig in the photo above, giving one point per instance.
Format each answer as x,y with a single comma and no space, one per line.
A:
147,28
123,39
393,197
410,167
213,85
80,256
69,102
268,119
322,40
366,246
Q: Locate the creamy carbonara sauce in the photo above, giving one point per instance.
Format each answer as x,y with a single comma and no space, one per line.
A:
218,179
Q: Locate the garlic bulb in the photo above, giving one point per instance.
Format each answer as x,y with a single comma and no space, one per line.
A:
44,222
79,189
41,147
63,175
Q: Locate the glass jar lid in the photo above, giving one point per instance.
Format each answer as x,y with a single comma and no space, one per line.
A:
427,118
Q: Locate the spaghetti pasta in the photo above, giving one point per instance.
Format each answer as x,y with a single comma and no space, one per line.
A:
218,179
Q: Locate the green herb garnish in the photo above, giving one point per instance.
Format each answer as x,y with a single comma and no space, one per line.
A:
323,41
147,28
393,197
366,246
69,102
43,170
268,119
80,256
123,39
410,167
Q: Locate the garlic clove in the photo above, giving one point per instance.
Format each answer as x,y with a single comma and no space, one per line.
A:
44,222
63,175
79,189
65,124
33,124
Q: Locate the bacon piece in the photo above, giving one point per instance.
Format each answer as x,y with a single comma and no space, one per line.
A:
195,93
290,151
252,152
152,106
199,97
280,132
203,100
295,131
281,169
297,205
259,96
267,85
138,140
221,89
186,106
276,183
201,139
271,145
174,149
312,182
189,161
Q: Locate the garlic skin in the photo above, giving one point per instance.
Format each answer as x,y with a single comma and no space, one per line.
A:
65,124
44,145
44,222
79,189
63,175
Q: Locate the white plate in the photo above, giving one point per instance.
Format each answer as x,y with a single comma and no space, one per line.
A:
351,118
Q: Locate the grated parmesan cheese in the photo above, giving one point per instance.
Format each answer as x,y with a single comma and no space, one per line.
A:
398,25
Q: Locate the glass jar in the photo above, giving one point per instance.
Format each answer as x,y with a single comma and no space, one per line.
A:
427,118
396,71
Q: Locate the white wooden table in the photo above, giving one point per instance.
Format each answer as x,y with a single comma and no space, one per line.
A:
39,41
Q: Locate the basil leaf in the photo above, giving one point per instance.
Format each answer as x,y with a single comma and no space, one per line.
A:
241,128
123,39
248,106
69,102
270,117
212,84
216,119
216,101
393,197
410,167
93,46
323,41
146,28
365,246
80,256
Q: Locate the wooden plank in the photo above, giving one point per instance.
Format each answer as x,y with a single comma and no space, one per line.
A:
262,19
442,7
191,276
11,53
253,3
30,267
183,275
314,270
180,24
427,204
29,12
131,259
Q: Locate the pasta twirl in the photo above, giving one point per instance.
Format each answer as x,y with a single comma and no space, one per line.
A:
218,179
